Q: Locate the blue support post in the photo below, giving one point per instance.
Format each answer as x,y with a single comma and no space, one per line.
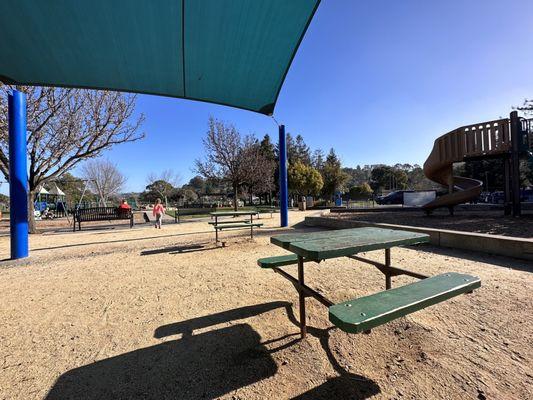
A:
283,183
18,175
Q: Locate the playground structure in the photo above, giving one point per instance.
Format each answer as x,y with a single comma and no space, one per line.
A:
507,138
51,202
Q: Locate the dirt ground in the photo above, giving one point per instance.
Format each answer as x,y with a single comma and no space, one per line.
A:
164,314
491,222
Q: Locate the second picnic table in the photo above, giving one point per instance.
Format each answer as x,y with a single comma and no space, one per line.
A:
360,315
234,224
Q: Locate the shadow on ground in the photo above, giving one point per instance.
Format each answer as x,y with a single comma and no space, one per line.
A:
178,250
125,240
200,366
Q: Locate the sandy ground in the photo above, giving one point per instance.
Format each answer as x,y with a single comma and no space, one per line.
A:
491,222
164,314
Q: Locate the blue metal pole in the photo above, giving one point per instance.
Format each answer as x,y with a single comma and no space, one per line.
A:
18,175
283,184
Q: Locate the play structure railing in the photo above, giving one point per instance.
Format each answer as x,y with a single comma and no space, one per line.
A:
482,139
527,127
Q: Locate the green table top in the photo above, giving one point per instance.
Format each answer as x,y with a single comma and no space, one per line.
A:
231,213
322,245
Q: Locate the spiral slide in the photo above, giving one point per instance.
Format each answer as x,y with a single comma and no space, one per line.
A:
439,168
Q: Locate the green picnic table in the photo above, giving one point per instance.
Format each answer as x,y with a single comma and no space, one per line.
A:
365,313
225,224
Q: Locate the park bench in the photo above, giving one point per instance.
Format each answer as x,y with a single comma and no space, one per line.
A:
364,313
101,214
181,212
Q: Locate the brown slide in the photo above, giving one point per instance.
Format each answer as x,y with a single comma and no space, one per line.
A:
483,139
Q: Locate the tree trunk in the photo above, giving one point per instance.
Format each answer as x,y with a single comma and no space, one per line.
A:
32,228
235,197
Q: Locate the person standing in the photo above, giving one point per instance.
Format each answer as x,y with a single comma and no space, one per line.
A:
158,212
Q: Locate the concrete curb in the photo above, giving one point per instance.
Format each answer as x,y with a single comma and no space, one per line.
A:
492,244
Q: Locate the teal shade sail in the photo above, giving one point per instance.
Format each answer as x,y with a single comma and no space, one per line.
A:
231,52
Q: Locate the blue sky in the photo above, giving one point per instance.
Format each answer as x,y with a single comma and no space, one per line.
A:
376,80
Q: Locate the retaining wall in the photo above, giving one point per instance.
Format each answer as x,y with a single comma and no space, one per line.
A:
493,244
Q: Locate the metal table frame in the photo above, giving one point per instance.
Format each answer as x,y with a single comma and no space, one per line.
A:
233,214
305,291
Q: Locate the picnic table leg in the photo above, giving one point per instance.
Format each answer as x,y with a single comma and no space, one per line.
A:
303,328
251,226
216,231
388,283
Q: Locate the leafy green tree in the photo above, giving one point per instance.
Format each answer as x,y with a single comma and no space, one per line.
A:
197,184
385,177
333,175
302,152
291,148
357,175
4,202
318,159
157,189
304,179
361,192
267,148
186,193
74,188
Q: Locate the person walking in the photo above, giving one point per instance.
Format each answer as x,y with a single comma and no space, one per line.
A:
158,212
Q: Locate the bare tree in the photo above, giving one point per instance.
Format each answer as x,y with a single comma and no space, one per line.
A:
234,160
223,163
258,168
66,126
104,179
163,183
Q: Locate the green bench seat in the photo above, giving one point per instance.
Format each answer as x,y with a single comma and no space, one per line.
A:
220,226
277,261
362,314
267,209
240,221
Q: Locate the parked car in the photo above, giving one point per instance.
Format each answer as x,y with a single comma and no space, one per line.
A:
526,195
392,198
497,198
